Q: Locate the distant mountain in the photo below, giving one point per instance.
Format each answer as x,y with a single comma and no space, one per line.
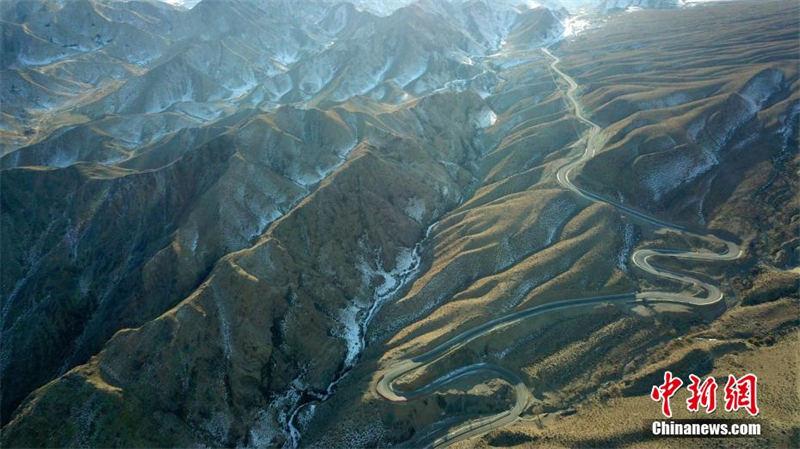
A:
273,55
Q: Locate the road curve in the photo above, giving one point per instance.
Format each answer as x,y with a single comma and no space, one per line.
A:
641,258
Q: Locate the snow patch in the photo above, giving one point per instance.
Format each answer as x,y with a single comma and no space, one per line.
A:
284,408
486,118
194,236
224,327
278,86
31,62
575,25
264,219
678,168
355,319
406,263
411,73
240,91
313,177
317,77
286,57
553,218
627,247
361,83
762,86
63,158
218,425
201,111
351,332
415,209
264,431
521,292
673,99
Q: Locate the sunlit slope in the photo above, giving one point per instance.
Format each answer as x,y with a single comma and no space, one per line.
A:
653,83
693,106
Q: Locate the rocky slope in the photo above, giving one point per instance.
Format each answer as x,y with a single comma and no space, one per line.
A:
146,177
588,359
220,223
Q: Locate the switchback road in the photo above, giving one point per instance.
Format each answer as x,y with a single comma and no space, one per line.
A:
642,258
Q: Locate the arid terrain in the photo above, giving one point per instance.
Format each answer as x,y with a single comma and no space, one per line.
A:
475,224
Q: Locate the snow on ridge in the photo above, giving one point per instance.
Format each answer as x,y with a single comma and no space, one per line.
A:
312,178
574,25
485,118
188,4
627,6
617,5
691,3
361,83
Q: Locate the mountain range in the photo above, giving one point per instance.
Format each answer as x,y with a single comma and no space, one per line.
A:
223,221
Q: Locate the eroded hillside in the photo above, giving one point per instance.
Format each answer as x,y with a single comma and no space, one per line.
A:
234,250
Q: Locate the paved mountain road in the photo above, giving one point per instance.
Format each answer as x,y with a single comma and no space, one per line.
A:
641,258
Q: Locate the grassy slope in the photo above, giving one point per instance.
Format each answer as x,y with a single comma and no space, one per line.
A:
602,357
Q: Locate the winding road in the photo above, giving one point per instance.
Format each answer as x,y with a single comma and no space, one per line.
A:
641,258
